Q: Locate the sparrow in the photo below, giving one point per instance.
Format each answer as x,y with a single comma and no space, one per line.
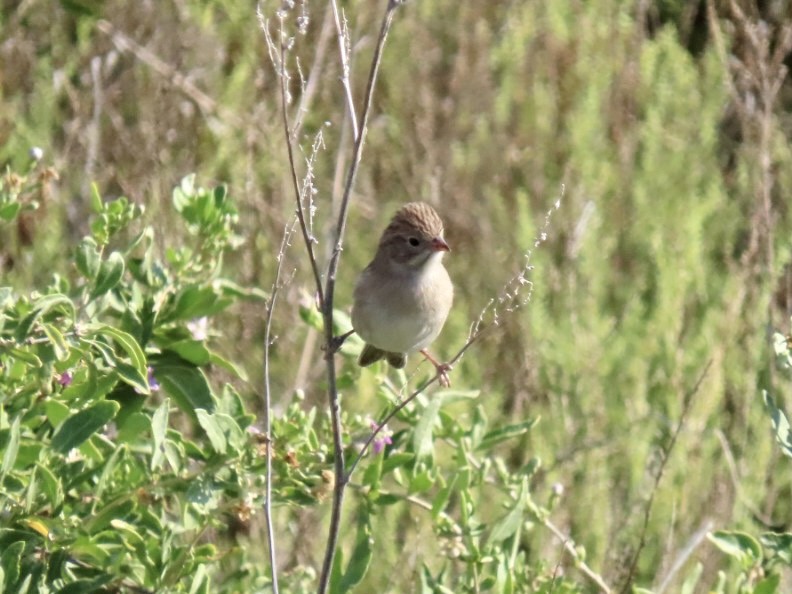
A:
402,298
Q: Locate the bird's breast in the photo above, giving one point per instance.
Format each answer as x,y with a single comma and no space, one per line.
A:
402,313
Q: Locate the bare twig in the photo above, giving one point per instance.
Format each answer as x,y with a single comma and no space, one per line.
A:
469,343
511,296
314,75
93,135
666,454
327,306
287,234
278,57
206,104
569,547
344,52
698,537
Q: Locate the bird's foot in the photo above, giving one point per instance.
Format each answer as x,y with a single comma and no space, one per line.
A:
442,369
336,342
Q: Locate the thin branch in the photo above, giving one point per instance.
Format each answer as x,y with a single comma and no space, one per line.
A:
469,343
205,103
327,309
666,452
698,537
569,547
268,407
314,75
344,53
353,168
278,57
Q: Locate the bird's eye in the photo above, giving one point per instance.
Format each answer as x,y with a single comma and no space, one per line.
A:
413,241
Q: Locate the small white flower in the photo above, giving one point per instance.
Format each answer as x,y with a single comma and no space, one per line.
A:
199,328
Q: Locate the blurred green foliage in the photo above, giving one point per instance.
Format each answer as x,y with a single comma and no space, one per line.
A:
669,251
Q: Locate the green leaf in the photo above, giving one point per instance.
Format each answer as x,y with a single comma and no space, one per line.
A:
359,560
185,383
195,302
40,307
200,583
780,424
110,273
373,473
768,585
689,585
511,522
56,412
421,482
441,499
11,448
137,374
117,508
423,442
9,211
213,431
496,436
126,341
79,427
782,351
159,428
397,460
335,573
87,585
388,499
87,258
10,560
192,351
311,315
27,357
58,342
107,471
135,425
130,375
780,545
96,199
51,485
229,366
739,545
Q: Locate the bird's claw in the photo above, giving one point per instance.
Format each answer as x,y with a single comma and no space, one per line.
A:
336,342
442,374
442,369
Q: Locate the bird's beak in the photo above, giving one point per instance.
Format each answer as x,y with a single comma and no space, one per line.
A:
439,245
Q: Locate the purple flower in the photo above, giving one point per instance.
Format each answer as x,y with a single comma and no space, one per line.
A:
383,438
65,379
152,381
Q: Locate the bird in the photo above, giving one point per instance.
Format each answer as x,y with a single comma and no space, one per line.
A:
402,298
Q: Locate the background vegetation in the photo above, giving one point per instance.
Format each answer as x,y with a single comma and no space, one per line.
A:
642,352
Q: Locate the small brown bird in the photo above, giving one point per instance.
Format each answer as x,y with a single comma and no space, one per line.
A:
403,297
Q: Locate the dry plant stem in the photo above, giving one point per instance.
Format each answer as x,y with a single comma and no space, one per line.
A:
327,308
343,50
307,238
268,411
684,555
688,400
207,105
314,74
471,340
569,547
